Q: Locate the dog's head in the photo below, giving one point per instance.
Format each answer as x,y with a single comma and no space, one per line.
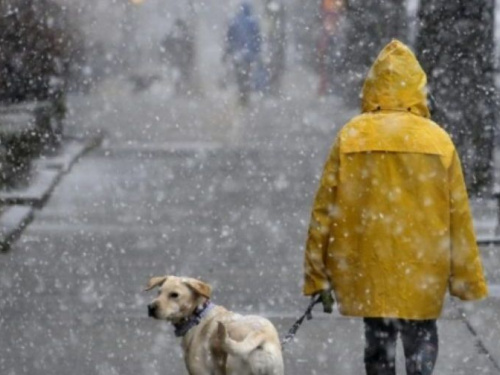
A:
177,297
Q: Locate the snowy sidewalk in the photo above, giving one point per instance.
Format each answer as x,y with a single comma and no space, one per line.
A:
224,200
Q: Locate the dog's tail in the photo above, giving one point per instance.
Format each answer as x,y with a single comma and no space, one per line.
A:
264,358
242,348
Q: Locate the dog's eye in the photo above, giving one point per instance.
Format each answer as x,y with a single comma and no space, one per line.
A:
173,295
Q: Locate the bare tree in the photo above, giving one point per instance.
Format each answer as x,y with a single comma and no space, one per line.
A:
38,47
456,48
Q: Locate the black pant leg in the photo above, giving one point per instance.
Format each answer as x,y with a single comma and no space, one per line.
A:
420,342
380,350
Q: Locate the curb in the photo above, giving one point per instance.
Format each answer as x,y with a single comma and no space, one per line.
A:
21,202
12,222
36,193
70,152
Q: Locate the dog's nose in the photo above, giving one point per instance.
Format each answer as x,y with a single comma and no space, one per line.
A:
151,310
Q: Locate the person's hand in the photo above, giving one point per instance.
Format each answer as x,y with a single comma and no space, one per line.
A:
326,297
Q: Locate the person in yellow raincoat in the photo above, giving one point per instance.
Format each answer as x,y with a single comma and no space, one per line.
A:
391,229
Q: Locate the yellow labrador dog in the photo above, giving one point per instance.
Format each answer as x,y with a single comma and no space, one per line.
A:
215,341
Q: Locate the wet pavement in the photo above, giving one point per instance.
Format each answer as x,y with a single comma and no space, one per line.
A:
198,188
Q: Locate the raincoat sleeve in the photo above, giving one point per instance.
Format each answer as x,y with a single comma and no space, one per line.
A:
315,277
466,279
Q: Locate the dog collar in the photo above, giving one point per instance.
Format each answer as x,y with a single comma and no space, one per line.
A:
185,325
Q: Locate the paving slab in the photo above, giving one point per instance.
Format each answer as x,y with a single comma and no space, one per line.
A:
483,317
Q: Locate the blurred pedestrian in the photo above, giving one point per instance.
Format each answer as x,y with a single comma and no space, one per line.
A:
243,46
180,53
275,37
391,229
330,12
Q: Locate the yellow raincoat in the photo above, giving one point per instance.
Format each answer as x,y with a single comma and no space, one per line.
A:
391,230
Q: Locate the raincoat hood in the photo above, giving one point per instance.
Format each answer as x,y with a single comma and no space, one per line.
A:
396,82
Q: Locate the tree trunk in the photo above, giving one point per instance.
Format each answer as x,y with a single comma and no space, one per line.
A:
456,49
370,24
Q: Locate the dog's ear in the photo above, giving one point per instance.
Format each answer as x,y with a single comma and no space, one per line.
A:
199,287
155,281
